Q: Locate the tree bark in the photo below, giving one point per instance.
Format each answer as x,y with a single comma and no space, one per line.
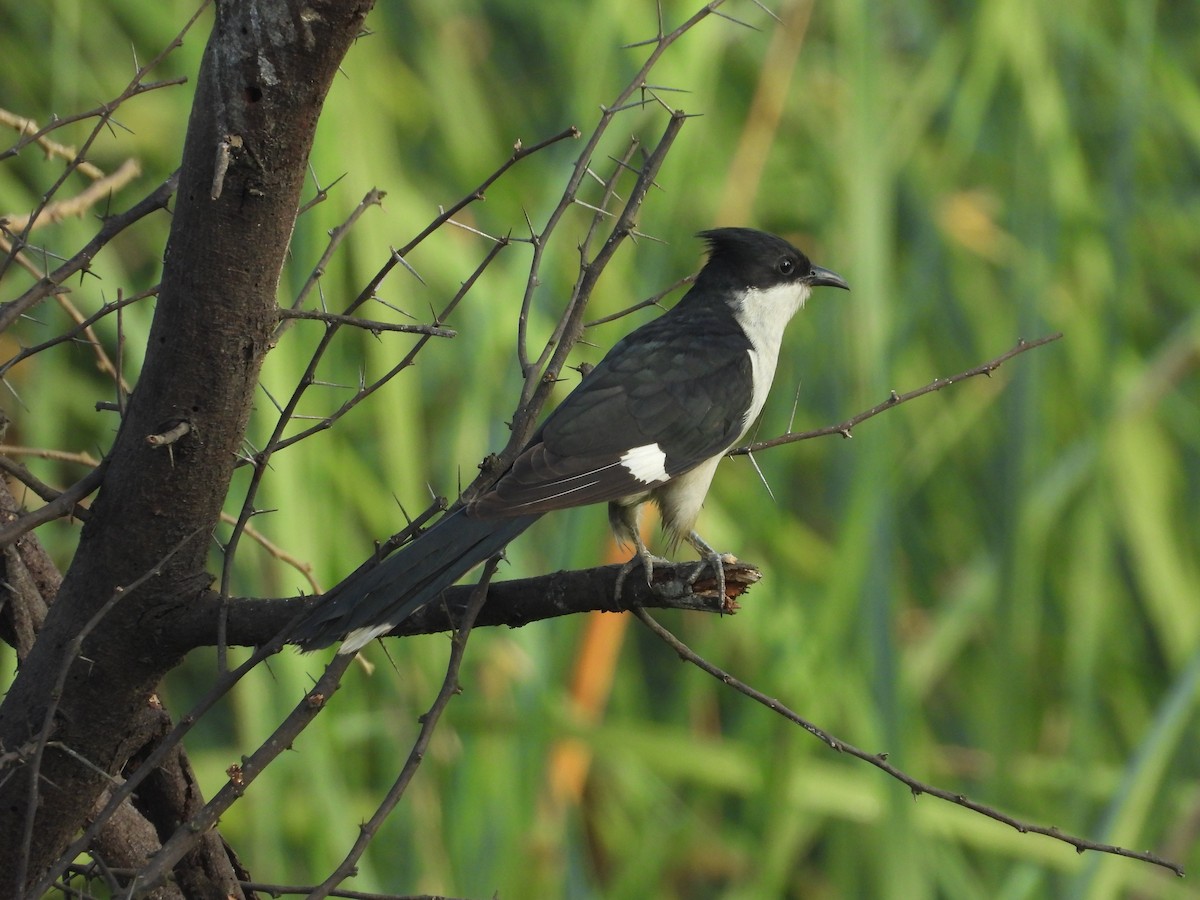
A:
92,673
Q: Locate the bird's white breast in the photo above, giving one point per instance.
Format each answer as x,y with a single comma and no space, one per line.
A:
764,315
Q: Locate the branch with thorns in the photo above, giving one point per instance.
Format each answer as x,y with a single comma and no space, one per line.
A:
880,760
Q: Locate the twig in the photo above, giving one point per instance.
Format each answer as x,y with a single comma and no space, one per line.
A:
277,442
83,326
62,505
240,778
113,225
170,435
103,114
845,428
649,301
373,197
80,203
51,148
879,760
31,481
429,721
366,324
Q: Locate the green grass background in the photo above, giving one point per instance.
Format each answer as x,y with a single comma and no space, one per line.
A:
997,584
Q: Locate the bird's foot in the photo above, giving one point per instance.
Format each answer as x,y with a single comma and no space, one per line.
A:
710,559
646,560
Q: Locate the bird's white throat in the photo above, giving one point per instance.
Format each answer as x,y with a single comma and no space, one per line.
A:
764,315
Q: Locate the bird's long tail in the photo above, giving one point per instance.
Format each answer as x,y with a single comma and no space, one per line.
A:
373,603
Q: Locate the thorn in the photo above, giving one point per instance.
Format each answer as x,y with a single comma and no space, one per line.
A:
795,406
400,259
769,12
762,477
717,12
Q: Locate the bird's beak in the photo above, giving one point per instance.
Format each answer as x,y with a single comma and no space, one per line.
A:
827,278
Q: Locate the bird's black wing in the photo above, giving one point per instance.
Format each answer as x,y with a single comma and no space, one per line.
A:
675,395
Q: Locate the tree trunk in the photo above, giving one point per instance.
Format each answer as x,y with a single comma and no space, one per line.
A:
262,82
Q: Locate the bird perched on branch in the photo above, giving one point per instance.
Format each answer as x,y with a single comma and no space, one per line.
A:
649,422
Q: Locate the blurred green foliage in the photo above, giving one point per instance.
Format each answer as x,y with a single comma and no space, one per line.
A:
998,584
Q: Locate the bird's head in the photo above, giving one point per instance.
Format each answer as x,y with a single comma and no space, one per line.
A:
755,259
763,277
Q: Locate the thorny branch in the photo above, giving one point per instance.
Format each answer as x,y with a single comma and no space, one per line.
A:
112,226
845,428
82,327
103,115
880,760
365,324
570,327
429,721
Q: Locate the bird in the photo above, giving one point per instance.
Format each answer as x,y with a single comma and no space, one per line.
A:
649,422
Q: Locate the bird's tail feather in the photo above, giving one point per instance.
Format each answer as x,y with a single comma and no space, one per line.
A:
373,603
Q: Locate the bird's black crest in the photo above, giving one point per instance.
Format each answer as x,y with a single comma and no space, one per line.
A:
751,257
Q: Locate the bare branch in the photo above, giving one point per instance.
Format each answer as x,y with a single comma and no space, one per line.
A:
845,428
83,326
65,504
429,721
880,760
373,197
366,324
103,114
113,225
655,300
79,204
51,148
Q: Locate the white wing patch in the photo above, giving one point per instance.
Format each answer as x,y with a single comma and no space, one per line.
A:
646,463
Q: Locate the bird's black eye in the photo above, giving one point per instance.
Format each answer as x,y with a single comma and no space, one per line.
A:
786,265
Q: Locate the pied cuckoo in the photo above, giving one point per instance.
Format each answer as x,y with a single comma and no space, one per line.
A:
649,422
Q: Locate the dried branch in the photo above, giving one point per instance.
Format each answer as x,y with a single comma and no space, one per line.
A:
880,760
98,190
51,148
103,114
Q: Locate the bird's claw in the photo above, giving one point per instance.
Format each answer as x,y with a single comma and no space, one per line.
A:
647,560
716,562
709,559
